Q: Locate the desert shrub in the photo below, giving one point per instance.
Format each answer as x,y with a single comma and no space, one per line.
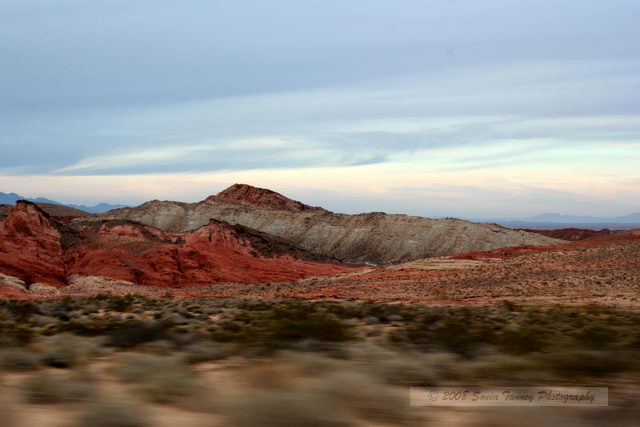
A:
442,364
161,379
113,413
207,351
20,310
44,388
522,340
497,365
285,409
230,326
311,363
299,323
135,367
169,387
134,332
120,303
66,350
59,308
453,332
172,319
509,305
18,359
365,398
596,336
226,336
160,347
5,314
587,363
404,370
40,320
18,334
281,327
80,386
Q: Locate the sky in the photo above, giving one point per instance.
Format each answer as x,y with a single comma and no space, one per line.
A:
466,108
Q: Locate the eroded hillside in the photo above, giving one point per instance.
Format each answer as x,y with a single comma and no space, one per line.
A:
375,238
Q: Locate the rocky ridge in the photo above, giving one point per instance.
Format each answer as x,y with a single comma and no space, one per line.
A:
371,238
37,252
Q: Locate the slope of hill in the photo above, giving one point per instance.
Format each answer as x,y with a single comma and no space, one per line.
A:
602,270
38,252
375,238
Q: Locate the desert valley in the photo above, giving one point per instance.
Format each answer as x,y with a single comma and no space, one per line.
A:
145,312
284,213
253,242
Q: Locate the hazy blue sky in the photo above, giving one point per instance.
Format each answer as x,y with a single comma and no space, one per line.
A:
462,108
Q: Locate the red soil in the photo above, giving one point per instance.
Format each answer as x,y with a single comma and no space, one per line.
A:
247,195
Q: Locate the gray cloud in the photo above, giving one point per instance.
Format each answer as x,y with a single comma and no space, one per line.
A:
121,87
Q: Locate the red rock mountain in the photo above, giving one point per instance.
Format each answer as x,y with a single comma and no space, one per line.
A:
246,195
34,248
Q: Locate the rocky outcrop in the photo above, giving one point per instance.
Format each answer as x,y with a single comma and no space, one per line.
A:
216,252
261,198
374,238
38,251
30,248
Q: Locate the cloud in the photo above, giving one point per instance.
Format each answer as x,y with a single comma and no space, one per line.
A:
147,88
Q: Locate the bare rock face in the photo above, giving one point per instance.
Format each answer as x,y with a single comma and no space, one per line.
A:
30,248
216,252
38,252
373,238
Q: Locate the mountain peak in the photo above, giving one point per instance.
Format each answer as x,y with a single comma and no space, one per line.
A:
247,195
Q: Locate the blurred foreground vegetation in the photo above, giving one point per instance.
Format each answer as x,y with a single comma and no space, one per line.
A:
113,361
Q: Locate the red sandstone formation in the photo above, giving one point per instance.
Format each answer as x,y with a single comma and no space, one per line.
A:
36,248
30,248
246,195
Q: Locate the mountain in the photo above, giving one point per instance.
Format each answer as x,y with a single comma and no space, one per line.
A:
246,195
39,254
370,238
12,198
99,208
562,219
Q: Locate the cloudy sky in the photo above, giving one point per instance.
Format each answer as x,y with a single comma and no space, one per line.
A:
467,108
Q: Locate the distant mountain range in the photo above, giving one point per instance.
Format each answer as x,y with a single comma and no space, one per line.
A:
12,198
555,219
